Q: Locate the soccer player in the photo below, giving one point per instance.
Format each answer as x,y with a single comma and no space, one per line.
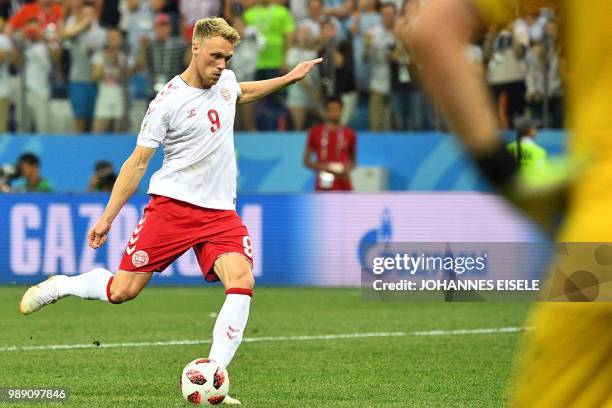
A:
192,196
567,359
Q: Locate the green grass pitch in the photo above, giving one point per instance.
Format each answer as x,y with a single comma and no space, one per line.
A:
469,370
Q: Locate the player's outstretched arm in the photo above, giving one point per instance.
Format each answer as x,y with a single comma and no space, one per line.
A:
252,91
127,182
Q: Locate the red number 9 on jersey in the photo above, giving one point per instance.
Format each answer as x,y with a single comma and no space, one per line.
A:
213,116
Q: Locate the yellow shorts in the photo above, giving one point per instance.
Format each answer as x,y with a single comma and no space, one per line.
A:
566,361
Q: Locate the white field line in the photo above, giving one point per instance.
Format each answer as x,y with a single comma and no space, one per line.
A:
271,338
470,331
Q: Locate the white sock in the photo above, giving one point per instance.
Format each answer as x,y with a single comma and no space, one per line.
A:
89,285
229,327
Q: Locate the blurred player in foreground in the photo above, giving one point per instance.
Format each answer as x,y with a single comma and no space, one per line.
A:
567,359
193,194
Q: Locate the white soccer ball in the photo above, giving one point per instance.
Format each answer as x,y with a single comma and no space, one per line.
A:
205,382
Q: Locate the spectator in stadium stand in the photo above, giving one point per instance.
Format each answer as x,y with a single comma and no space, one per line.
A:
164,57
136,22
171,8
299,9
405,106
39,51
341,9
276,25
109,12
334,147
7,9
338,70
378,44
544,56
31,180
235,8
364,19
47,12
244,64
82,36
164,6
7,55
109,70
315,19
190,11
103,179
409,107
506,72
304,96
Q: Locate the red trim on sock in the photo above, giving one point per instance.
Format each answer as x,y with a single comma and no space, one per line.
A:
239,291
108,285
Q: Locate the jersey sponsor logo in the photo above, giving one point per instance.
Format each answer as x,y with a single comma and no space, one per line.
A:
192,113
140,258
226,94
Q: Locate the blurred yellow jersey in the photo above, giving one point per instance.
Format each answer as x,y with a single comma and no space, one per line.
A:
567,360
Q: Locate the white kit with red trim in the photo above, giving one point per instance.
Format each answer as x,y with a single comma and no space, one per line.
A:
196,130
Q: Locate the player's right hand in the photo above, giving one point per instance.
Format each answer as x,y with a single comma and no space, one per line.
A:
97,234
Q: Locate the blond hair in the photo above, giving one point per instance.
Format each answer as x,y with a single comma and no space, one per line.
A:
215,27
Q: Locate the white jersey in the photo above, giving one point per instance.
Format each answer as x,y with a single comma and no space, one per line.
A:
196,129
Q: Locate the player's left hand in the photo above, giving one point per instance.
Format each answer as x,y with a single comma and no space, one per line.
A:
302,69
98,234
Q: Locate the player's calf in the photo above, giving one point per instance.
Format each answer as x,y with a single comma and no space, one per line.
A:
125,286
97,284
90,285
121,295
235,272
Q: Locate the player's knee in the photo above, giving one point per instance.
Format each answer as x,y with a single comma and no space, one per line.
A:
242,278
121,295
249,280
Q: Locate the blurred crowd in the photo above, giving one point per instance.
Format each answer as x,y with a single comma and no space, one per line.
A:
93,65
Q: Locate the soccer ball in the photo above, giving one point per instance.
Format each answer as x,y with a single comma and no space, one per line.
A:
204,382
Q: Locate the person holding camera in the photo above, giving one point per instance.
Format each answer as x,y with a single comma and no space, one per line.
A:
103,178
27,178
379,43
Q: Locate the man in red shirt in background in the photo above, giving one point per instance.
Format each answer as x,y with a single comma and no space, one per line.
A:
334,147
47,12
